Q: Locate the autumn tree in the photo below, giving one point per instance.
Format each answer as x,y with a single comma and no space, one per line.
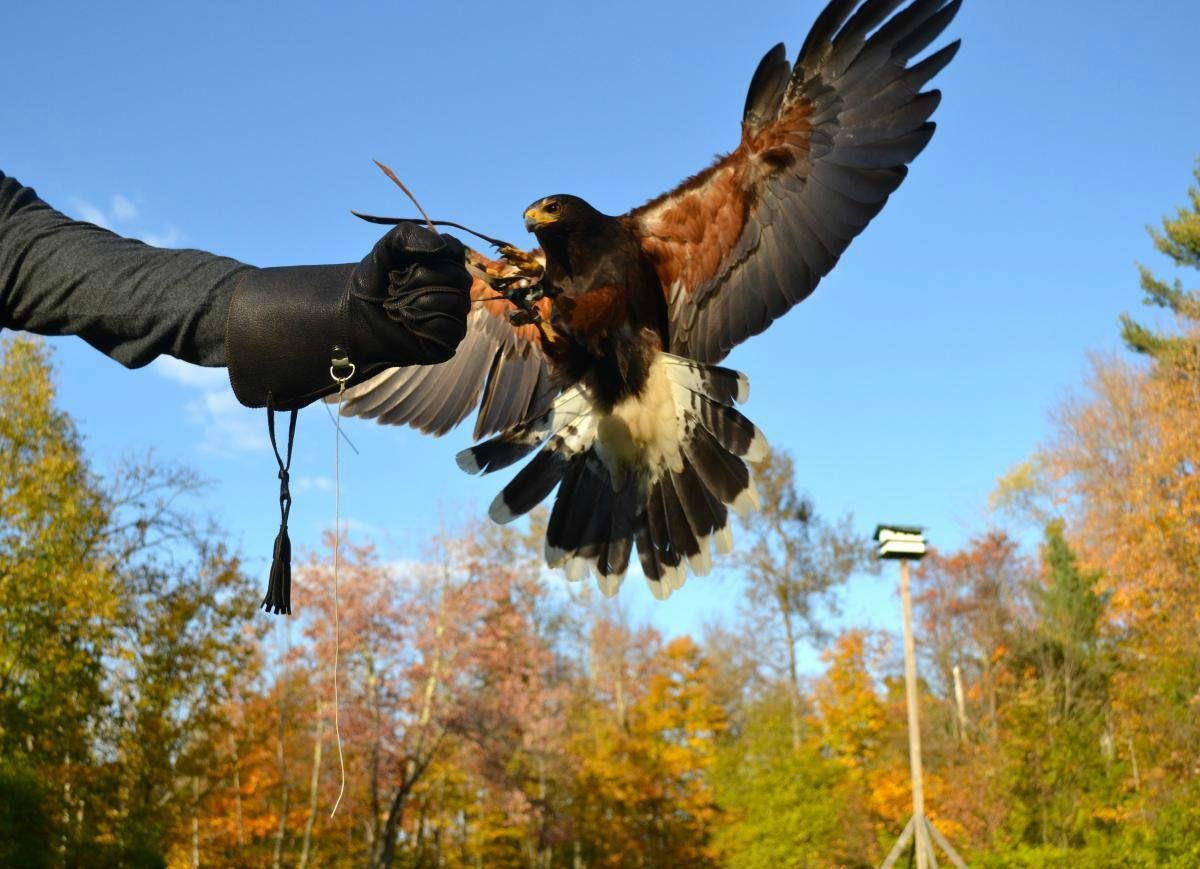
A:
642,788
452,697
123,630
792,560
59,600
782,806
1056,749
968,604
509,713
185,636
1121,468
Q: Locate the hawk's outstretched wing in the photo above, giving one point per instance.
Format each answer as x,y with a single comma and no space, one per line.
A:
824,143
498,367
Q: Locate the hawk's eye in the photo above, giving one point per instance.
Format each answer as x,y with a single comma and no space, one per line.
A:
551,208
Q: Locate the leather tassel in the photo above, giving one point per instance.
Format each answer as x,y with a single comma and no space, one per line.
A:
278,599
279,587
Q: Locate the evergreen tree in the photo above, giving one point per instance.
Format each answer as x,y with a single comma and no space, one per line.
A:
1180,241
1056,742
1069,610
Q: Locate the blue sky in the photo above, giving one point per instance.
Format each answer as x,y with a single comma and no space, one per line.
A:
921,369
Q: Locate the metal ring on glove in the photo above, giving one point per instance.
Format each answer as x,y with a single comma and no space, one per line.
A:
335,378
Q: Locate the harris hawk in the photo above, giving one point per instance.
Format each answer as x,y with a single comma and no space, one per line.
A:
598,353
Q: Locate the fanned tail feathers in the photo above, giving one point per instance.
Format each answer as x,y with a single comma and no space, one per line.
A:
661,471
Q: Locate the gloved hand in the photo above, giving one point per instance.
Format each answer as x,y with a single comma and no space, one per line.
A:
406,303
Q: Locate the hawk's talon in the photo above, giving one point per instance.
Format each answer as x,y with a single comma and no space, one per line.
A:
523,318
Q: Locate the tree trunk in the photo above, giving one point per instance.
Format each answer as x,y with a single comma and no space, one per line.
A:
195,823
960,705
619,697
314,788
66,803
237,803
418,761
277,858
993,724
1137,778
793,674
387,838
376,746
542,848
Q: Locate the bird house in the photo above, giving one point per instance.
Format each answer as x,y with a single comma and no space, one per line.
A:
900,541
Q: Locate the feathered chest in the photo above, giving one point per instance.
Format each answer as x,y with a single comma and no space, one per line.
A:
594,314
608,309
602,282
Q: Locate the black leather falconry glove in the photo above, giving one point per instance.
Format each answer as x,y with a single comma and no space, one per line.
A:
406,303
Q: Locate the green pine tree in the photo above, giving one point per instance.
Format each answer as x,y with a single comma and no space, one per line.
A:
1069,607
1059,763
1180,241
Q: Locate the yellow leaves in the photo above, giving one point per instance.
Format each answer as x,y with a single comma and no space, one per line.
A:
890,795
1024,493
851,714
643,772
1125,466
57,597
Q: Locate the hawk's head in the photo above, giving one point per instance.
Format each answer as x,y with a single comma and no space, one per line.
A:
558,214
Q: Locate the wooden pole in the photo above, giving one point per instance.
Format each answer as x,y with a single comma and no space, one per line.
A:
945,846
960,703
898,848
914,724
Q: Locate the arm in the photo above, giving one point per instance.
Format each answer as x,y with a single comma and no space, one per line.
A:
128,300
405,303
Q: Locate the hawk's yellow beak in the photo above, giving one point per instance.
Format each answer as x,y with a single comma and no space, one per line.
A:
535,217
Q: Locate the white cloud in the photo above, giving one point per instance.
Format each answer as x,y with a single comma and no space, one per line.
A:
227,426
317,483
122,208
172,237
359,529
407,567
190,375
89,212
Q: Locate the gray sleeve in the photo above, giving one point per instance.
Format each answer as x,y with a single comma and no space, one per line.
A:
128,300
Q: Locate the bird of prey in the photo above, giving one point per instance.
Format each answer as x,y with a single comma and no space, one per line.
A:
598,353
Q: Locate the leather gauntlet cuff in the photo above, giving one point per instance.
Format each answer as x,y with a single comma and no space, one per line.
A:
283,325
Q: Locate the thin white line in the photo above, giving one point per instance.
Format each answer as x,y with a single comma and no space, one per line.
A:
337,622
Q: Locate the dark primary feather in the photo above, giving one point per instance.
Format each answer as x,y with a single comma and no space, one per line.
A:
782,208
704,513
767,88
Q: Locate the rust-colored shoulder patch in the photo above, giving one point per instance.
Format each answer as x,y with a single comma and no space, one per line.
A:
595,312
689,233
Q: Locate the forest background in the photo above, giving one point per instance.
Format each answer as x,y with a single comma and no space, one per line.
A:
491,715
